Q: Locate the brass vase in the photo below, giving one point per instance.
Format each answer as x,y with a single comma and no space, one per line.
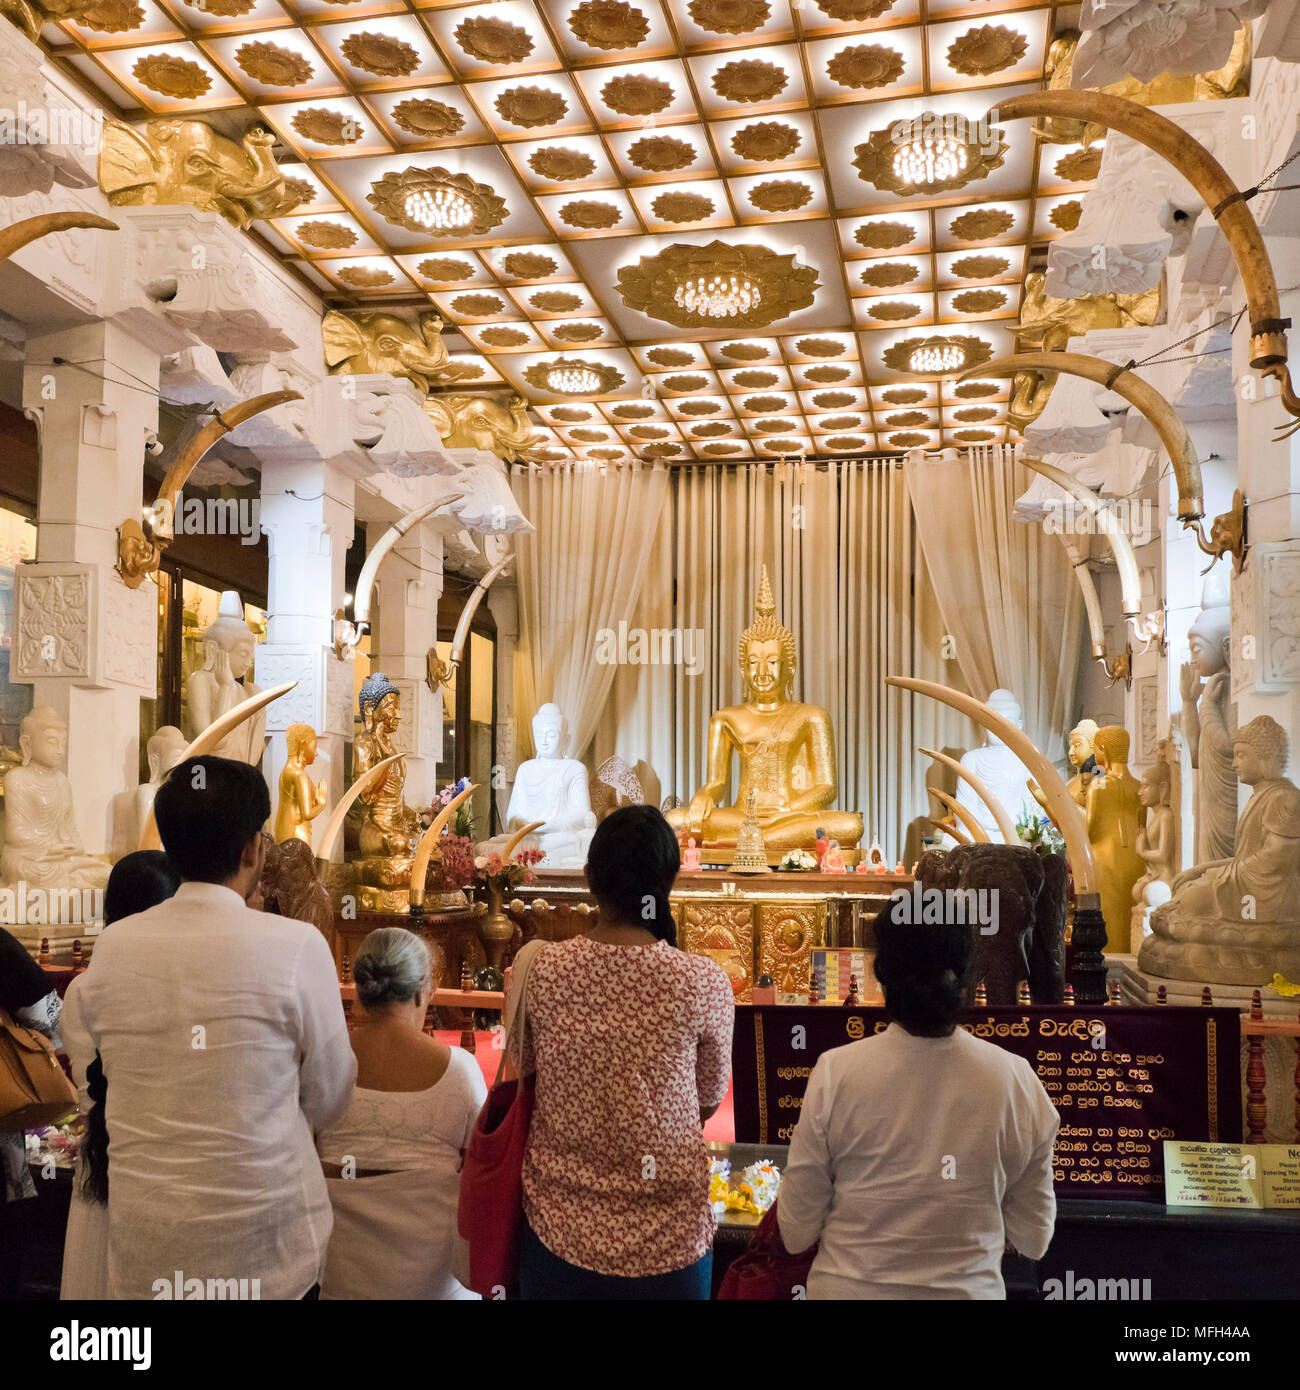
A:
495,928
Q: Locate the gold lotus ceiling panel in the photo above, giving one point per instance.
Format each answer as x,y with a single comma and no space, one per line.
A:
682,228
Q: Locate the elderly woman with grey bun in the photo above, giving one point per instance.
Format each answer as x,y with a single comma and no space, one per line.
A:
392,1163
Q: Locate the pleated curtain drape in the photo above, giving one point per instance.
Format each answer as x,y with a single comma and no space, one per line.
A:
850,579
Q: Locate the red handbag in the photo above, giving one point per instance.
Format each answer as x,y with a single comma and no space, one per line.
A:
767,1271
490,1212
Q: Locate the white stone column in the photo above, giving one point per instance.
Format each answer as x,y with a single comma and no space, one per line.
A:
86,643
308,517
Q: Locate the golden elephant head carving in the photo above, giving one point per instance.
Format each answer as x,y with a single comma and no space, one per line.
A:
363,342
169,161
479,422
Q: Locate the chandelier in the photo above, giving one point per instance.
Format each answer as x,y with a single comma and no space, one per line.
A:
926,160
573,380
718,296
439,209
937,356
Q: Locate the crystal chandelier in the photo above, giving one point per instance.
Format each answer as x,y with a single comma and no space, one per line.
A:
937,357
439,209
718,296
926,160
573,381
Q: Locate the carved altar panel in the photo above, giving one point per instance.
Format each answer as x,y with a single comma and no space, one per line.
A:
787,932
1276,566
725,933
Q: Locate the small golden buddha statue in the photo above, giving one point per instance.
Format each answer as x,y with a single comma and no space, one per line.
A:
1115,815
301,799
786,752
390,830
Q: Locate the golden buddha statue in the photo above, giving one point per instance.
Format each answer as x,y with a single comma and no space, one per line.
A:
786,752
301,799
389,830
1115,815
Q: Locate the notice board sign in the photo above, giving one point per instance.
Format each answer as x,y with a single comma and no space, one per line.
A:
1124,1079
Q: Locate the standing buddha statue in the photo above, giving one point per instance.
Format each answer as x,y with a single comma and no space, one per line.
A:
785,750
390,830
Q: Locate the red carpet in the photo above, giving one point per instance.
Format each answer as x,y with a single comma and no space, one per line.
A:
721,1127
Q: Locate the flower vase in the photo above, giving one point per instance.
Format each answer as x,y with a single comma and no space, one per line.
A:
495,928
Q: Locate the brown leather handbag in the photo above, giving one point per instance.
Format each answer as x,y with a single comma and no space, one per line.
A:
34,1091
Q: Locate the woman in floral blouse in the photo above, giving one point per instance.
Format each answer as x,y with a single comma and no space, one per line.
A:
631,1042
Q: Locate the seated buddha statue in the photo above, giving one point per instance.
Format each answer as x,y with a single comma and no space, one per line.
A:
1237,921
785,750
1000,770
389,830
43,847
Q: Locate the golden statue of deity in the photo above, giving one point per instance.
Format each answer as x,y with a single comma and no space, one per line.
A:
786,752
389,829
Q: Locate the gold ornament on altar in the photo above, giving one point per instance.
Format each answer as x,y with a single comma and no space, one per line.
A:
751,853
479,422
493,40
785,750
168,161
694,286
608,24
437,202
371,341
930,154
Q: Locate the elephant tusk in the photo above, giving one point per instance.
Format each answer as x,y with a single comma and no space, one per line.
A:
424,850
1121,667
1227,204
371,777
978,833
944,827
1065,814
513,842
399,528
209,739
980,788
1140,394
467,617
178,473
33,228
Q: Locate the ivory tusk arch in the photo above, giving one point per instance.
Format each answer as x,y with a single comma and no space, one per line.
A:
980,788
424,850
978,834
369,778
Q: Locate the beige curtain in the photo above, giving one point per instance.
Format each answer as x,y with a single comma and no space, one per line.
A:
1009,602
579,573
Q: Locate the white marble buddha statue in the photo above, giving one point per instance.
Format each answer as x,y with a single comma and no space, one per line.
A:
553,789
163,752
1237,920
1209,719
222,683
1000,770
43,847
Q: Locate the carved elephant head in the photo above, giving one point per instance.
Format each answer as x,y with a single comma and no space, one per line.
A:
170,161
479,422
371,341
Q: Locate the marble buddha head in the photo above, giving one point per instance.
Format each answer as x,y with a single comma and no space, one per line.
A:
767,651
548,731
1155,788
229,632
380,703
164,751
43,738
1259,751
1003,702
1111,747
300,740
1081,742
1209,639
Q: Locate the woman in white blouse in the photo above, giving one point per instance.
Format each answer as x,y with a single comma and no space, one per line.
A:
392,1163
921,1152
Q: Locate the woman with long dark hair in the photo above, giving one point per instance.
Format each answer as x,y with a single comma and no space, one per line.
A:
921,1152
138,882
631,1041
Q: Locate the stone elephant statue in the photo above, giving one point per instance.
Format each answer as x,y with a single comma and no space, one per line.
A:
169,160
373,341
479,422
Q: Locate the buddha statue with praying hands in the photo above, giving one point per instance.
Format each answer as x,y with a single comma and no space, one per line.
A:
223,682
43,847
390,831
1236,921
785,751
301,799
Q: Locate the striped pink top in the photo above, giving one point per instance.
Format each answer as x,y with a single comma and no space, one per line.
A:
629,1043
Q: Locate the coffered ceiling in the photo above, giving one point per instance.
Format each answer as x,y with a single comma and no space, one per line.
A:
604,145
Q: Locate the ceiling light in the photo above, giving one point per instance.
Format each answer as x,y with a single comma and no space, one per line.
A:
573,381
439,209
718,296
927,160
937,356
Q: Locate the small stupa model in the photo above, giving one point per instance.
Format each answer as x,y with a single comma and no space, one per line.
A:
751,852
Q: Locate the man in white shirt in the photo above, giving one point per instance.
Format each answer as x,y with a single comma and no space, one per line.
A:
224,1047
922,1152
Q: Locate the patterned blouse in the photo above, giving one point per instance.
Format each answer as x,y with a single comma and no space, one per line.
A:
628,1042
